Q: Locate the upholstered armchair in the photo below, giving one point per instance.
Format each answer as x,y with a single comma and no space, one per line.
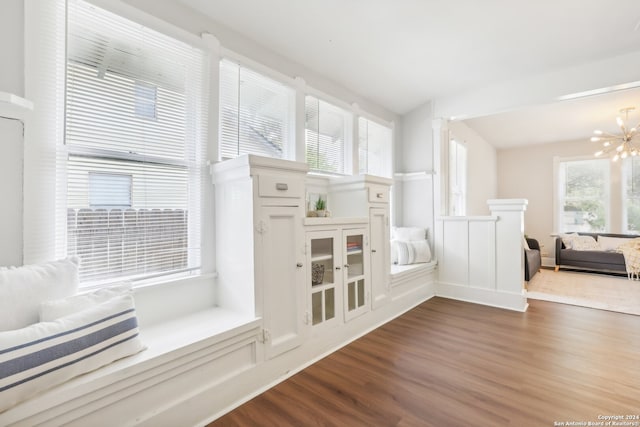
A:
532,259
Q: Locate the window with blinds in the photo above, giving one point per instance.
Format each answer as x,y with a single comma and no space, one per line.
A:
256,113
134,148
326,130
374,148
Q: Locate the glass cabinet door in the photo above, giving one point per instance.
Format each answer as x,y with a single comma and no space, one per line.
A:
323,280
355,277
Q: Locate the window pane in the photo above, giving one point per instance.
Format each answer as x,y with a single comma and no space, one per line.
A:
325,136
632,199
374,148
135,126
457,178
255,113
584,188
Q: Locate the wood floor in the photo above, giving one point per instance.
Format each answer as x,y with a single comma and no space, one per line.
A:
450,363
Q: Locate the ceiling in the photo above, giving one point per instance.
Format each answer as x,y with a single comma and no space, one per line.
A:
402,53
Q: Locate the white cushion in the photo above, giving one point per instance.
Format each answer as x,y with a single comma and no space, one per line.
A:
611,243
584,243
52,310
525,244
394,252
46,354
567,239
22,289
412,252
408,233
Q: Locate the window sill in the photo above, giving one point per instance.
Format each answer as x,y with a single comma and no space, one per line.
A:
403,273
170,345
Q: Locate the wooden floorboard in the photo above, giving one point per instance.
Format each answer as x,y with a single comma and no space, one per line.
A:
451,363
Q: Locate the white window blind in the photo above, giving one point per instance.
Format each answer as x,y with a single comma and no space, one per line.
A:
256,113
374,148
326,131
135,149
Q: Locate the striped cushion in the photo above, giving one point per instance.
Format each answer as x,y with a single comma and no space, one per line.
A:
46,354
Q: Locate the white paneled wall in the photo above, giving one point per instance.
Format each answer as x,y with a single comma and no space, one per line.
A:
480,259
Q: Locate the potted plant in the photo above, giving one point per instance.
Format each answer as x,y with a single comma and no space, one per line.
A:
321,207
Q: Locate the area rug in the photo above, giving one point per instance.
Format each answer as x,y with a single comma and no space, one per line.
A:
587,290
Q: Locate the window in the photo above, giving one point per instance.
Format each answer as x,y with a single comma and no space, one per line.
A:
583,195
457,178
326,130
109,190
134,148
631,211
374,148
256,113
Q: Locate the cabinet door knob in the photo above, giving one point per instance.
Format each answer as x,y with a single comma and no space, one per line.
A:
337,267
346,266
373,250
299,265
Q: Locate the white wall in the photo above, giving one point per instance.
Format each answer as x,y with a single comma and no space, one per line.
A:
482,175
11,47
11,145
414,196
527,172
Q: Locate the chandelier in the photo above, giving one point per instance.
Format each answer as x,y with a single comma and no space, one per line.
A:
623,145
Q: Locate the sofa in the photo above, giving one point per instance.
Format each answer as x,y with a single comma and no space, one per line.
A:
602,257
532,259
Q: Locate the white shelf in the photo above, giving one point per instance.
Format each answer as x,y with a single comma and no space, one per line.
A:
14,107
321,257
335,220
356,252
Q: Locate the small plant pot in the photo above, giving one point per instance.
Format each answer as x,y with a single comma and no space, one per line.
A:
321,213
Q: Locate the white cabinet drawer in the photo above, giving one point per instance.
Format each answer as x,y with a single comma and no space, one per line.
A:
379,193
279,186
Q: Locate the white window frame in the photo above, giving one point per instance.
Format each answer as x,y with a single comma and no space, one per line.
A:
391,129
457,179
558,199
627,170
41,242
348,146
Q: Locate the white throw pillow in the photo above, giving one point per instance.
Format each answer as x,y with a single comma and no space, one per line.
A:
611,243
584,243
525,244
413,252
567,239
394,252
43,355
22,289
407,234
52,310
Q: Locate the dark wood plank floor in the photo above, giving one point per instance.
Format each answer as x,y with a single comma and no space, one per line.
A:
450,363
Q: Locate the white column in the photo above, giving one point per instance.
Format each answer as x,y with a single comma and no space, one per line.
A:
509,252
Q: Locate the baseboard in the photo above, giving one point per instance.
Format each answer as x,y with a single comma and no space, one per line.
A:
490,297
548,262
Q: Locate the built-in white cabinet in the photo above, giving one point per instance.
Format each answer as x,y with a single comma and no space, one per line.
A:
366,195
260,251
338,280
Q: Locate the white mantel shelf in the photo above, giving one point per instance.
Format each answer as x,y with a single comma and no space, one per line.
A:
14,107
